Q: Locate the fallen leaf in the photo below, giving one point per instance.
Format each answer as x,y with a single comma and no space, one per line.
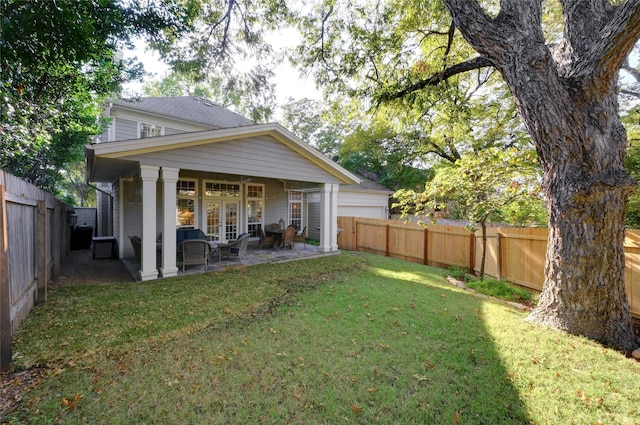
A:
456,418
356,408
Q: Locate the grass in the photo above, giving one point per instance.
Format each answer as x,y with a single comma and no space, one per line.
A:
503,290
345,339
495,287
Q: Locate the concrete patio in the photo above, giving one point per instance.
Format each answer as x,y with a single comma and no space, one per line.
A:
254,256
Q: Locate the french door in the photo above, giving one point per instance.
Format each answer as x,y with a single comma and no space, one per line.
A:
222,219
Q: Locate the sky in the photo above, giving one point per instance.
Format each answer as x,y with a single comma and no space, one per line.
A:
289,83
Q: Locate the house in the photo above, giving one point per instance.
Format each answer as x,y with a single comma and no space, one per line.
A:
175,162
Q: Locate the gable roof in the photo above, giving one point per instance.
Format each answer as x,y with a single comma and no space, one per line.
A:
366,184
188,108
105,159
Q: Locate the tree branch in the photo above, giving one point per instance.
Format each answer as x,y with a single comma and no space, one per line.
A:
616,41
475,63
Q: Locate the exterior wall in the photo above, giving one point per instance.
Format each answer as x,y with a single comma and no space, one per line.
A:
104,213
125,129
366,204
260,157
126,123
276,202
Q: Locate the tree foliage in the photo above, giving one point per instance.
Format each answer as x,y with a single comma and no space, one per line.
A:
562,74
250,93
58,61
477,187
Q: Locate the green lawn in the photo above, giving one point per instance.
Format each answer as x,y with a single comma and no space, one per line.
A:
352,338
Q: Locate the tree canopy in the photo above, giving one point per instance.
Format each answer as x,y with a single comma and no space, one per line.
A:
563,76
58,62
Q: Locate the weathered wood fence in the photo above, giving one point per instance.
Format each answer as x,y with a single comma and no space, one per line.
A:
513,254
34,234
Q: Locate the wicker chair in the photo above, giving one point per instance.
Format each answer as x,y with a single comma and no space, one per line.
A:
193,252
236,248
302,237
287,237
266,240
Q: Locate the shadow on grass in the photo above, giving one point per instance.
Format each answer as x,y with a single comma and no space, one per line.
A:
376,345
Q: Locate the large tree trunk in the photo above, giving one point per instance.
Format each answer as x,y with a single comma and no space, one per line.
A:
568,101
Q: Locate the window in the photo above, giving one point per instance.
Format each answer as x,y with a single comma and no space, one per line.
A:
185,203
150,130
222,190
255,206
295,209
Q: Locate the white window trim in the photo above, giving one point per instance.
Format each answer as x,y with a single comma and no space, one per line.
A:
141,123
290,202
196,198
248,198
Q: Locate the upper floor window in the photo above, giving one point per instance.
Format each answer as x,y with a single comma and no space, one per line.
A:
150,130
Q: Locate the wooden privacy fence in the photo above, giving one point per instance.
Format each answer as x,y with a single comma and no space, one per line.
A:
513,254
34,233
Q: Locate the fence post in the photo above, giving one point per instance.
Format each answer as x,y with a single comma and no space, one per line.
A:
387,241
41,251
57,237
499,254
5,295
425,257
472,253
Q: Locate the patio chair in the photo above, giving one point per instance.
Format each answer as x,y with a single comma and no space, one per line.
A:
136,243
266,240
287,237
301,237
236,248
193,252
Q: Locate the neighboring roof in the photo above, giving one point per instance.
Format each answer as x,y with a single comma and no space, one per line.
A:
366,184
188,108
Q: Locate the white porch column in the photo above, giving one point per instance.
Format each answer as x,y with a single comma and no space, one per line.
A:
169,179
148,266
325,217
334,216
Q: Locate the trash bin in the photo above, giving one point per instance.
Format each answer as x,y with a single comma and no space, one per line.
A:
81,237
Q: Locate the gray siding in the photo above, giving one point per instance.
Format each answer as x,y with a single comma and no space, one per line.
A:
313,230
276,202
126,129
262,157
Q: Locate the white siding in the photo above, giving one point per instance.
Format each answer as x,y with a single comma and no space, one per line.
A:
261,157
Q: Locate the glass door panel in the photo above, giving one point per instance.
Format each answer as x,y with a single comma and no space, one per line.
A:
214,222
231,219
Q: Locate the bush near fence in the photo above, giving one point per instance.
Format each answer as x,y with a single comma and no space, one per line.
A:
513,254
34,234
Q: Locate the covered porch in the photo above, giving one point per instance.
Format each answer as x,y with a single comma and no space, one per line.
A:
224,182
